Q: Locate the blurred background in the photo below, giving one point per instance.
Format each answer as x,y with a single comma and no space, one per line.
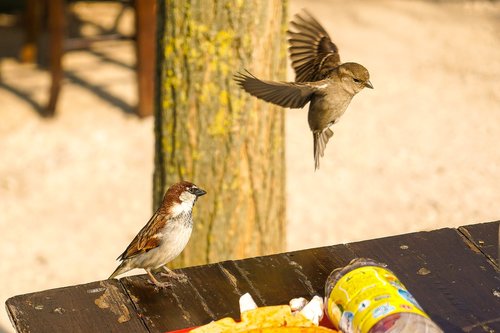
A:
419,152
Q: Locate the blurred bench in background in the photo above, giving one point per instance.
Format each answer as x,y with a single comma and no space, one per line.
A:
59,43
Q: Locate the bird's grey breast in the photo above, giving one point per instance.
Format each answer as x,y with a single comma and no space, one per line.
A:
177,230
176,234
326,108
182,220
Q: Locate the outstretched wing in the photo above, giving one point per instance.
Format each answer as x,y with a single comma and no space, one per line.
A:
312,52
285,94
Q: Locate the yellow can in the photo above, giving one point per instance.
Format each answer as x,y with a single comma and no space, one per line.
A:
365,292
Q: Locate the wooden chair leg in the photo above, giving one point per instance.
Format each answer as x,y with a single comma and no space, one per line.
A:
145,18
32,18
57,25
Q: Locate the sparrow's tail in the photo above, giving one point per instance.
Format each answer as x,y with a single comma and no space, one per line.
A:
320,141
122,268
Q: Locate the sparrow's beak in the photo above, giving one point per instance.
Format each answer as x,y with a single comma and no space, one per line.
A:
368,84
199,192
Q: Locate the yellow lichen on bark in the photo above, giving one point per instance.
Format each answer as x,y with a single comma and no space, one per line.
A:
210,132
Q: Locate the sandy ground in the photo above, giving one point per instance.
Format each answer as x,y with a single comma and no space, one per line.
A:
418,152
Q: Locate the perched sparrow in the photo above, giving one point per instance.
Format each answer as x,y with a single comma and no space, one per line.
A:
320,79
165,235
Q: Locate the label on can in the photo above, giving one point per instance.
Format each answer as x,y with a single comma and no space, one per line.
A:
365,295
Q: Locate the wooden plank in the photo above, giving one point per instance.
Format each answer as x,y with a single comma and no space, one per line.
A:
94,307
318,263
485,236
207,295
452,279
213,291
456,286
274,280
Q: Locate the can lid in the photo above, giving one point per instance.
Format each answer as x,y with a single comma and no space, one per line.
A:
338,273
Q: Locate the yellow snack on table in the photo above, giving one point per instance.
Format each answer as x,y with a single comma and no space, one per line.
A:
314,329
268,319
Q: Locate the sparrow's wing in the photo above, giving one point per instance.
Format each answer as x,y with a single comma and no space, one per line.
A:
285,94
312,52
148,238
320,141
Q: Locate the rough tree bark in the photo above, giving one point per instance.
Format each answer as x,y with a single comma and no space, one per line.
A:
210,132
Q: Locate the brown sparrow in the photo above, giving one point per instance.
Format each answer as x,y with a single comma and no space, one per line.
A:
320,78
165,235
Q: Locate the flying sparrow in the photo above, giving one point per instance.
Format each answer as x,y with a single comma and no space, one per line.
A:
320,78
165,235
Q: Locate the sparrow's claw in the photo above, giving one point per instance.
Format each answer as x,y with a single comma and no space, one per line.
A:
178,277
160,285
173,275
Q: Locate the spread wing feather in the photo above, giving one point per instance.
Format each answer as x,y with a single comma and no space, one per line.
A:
285,94
312,52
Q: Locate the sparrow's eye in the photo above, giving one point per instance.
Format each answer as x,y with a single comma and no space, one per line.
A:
356,80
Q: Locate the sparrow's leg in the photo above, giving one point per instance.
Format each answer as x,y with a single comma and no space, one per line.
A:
157,283
171,274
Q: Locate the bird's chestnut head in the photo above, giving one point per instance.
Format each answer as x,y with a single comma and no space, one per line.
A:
181,197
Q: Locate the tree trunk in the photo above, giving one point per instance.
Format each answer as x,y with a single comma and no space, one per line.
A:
208,131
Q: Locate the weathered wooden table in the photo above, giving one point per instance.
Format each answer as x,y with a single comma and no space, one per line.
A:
453,273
